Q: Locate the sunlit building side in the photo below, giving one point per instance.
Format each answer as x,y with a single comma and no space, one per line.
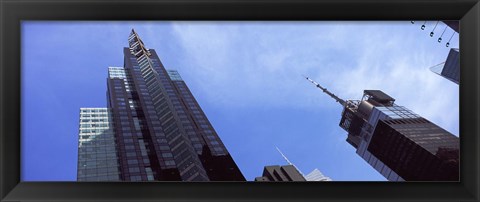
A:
97,158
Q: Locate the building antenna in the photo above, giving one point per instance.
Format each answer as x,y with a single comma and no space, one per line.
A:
289,163
339,100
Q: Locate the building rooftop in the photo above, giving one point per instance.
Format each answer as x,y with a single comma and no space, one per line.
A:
378,96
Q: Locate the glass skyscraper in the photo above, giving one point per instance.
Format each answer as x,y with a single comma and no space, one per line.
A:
160,131
399,144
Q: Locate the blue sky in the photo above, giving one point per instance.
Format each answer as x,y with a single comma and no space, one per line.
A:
246,76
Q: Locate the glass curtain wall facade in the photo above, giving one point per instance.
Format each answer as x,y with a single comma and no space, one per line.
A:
153,129
398,143
161,131
416,149
97,158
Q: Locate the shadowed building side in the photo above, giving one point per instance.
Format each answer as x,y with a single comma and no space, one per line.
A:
280,174
450,69
289,173
398,143
416,149
161,130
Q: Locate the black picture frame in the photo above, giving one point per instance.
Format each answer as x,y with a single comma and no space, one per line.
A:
12,12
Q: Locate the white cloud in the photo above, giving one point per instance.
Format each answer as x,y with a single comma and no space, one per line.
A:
404,74
260,64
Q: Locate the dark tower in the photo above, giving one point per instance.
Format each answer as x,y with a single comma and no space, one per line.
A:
161,133
289,172
398,143
280,173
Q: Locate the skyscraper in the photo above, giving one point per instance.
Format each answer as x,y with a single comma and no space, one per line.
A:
450,69
280,174
160,131
398,143
289,172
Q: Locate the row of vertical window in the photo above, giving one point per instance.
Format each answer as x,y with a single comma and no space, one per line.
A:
143,64
97,176
149,79
162,107
99,150
110,168
100,178
96,130
94,120
92,110
135,178
109,146
178,143
183,157
97,137
94,115
112,165
100,158
83,125
170,126
99,145
99,171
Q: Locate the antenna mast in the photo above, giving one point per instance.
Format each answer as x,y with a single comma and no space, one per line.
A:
339,100
289,163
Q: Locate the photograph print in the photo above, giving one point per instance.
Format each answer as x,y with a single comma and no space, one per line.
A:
262,101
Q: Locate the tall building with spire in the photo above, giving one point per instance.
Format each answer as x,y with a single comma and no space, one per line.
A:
160,131
289,172
399,144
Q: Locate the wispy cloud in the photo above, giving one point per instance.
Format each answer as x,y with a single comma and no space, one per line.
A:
346,57
403,72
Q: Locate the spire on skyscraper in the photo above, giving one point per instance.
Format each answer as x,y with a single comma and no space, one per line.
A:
315,175
339,100
288,161
383,133
149,138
